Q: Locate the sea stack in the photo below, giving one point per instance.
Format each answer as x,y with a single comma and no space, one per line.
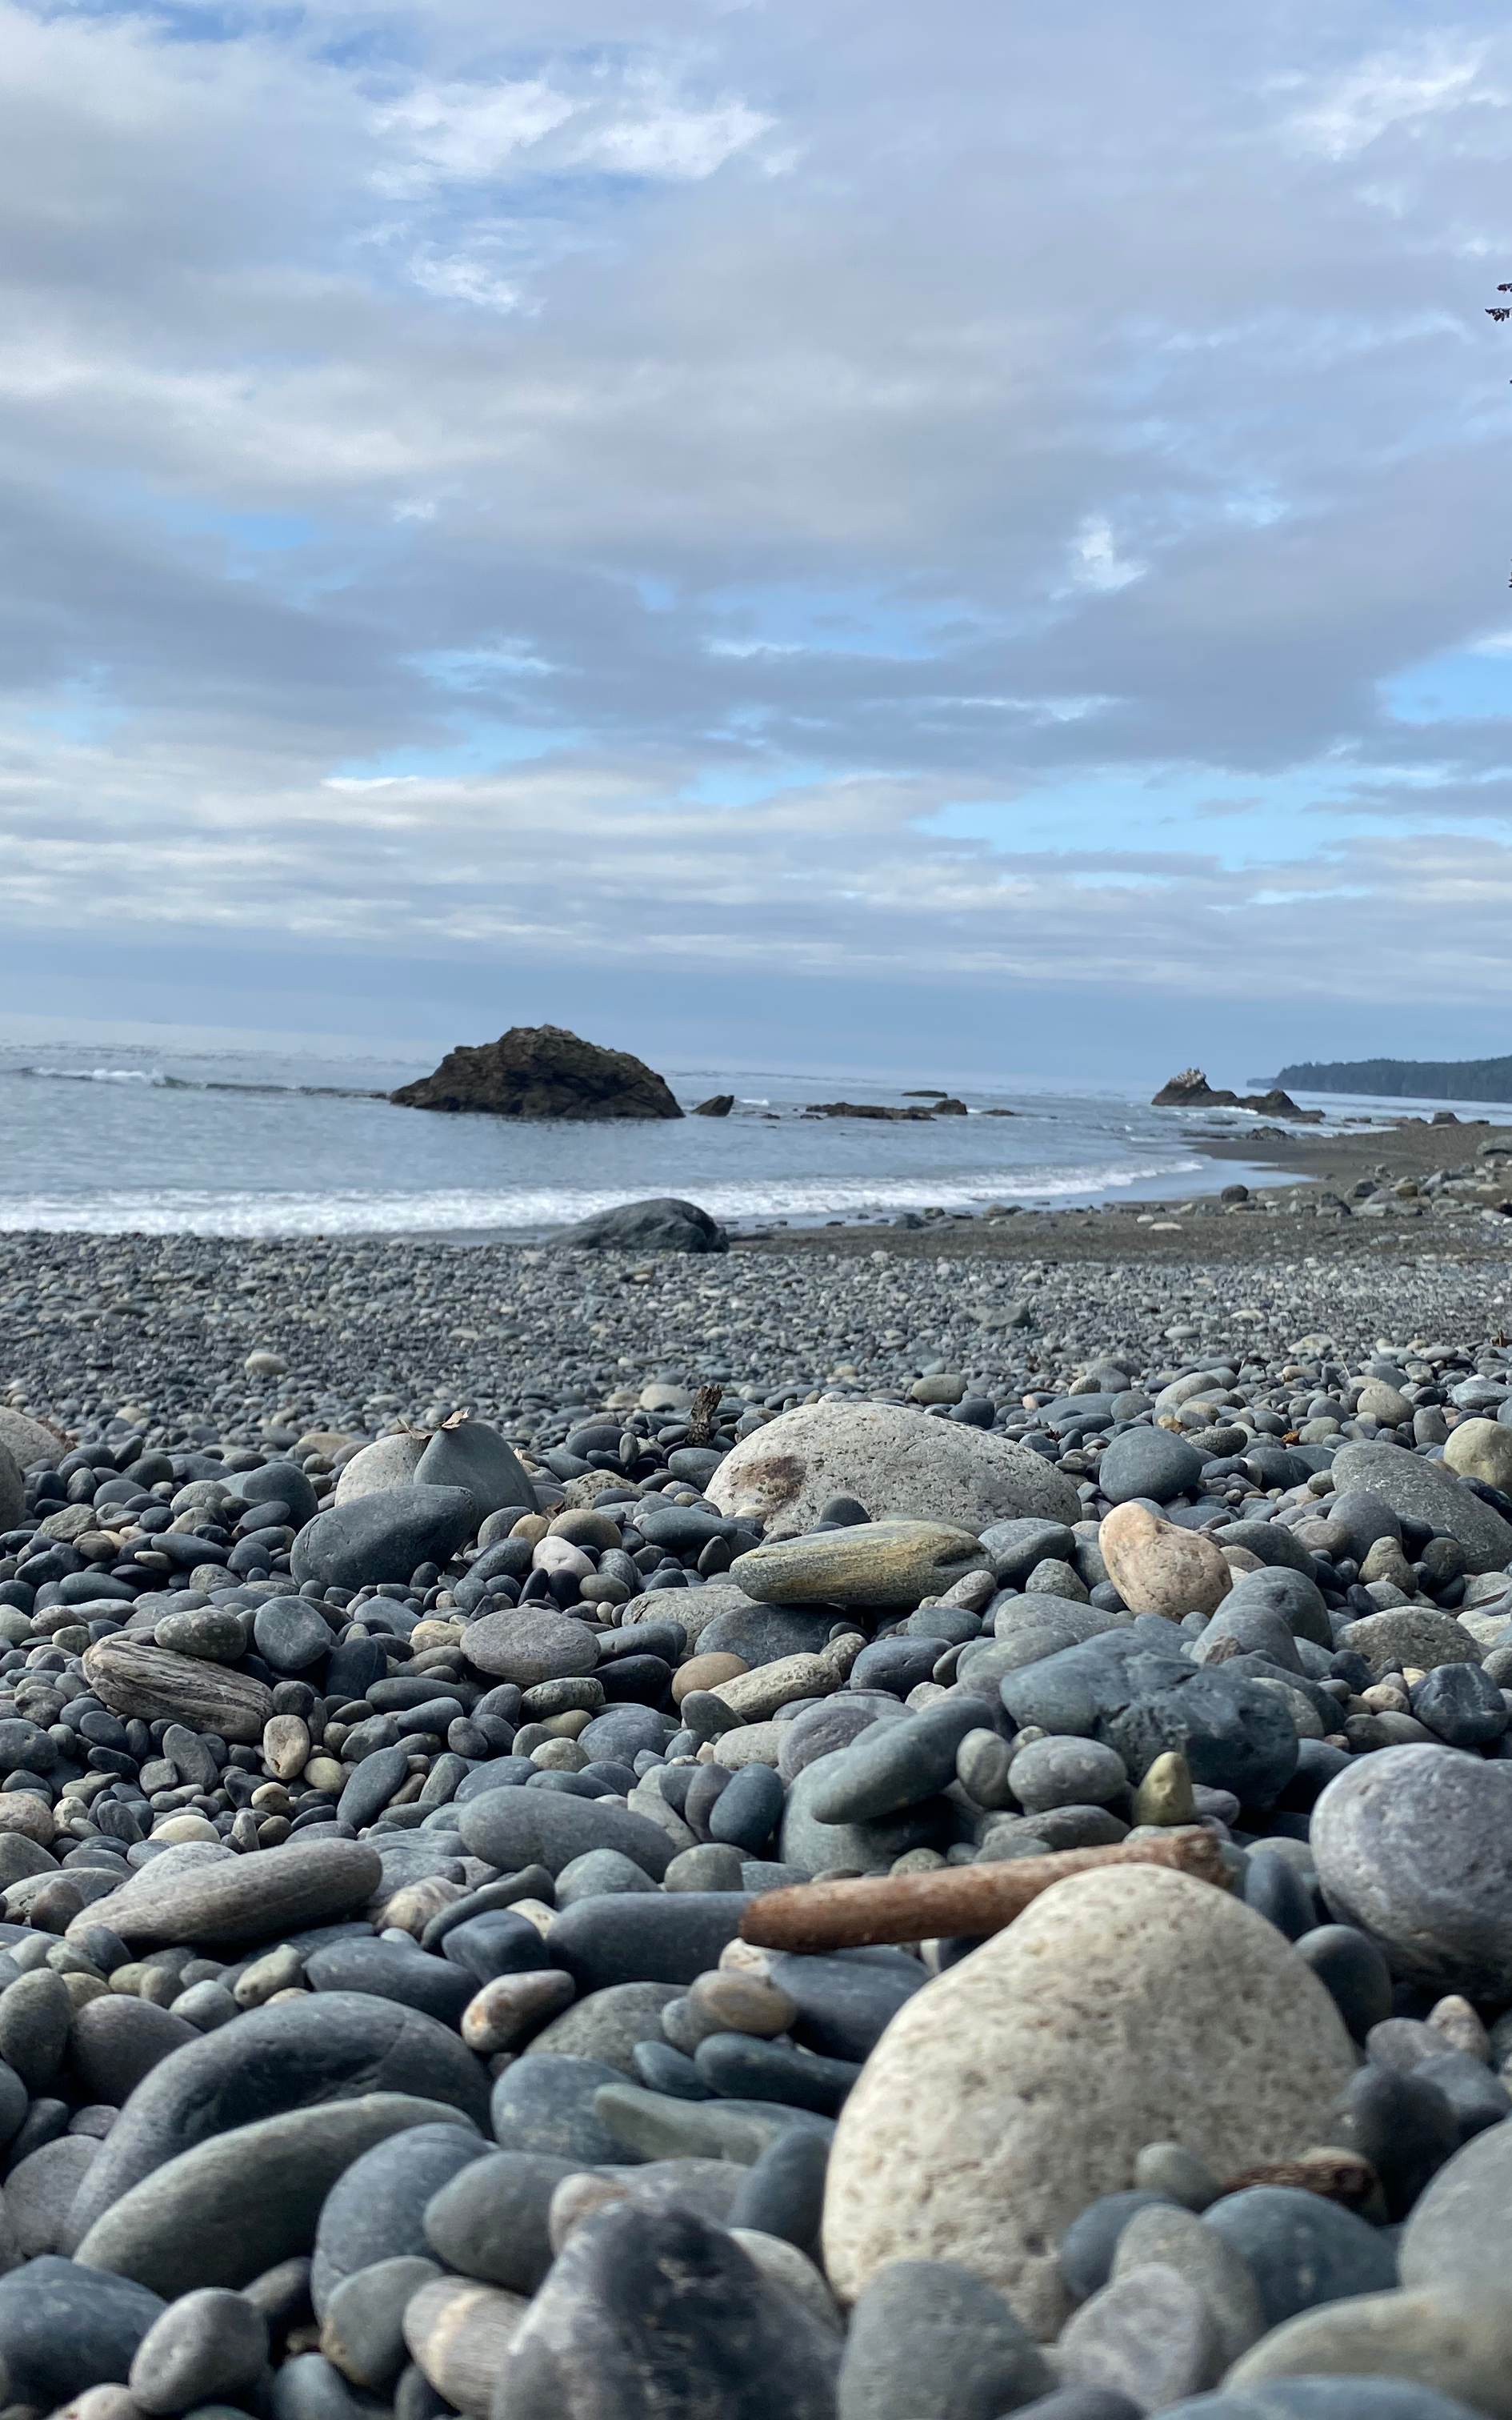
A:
541,1071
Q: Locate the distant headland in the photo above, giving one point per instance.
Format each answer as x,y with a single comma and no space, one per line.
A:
1453,1079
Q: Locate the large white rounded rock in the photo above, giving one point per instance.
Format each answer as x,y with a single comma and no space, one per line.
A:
1123,2007
389,1462
893,1461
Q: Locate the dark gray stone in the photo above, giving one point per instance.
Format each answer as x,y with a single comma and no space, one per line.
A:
35,2017
749,1811
1294,1595
1424,1491
1014,1547
208,2345
475,1457
290,1634
782,2192
243,2201
844,2003
1090,2241
1272,1543
739,2067
1403,2124
765,1633
929,2341
895,1765
376,2209
1149,1462
606,2026
332,2046
1462,1705
832,1725
647,2316
1389,1837
1303,2250
380,1537
115,2041
664,1225
543,1827
490,2221
373,1785
363,2330
386,1970
658,1938
495,1943
1353,1970
63,2328
546,2105
860,1848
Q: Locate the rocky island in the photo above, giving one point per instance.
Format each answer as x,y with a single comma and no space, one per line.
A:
541,1071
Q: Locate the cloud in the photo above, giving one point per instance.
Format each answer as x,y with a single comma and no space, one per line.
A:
434,456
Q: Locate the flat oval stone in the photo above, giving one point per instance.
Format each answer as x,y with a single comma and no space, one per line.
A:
388,1971
133,1679
531,1647
997,2106
116,2040
930,2321
513,1828
894,1766
1413,1847
887,1563
1437,2337
606,2026
238,1900
886,1457
490,2221
215,1634
222,2213
547,2105
329,2047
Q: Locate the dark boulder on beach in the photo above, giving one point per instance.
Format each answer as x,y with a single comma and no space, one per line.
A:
541,1071
666,1225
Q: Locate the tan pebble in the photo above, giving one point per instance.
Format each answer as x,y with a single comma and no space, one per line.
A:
82,1989
705,1672
532,1527
1165,1796
324,1773
882,1563
583,1526
275,1971
1159,1568
1456,2020
560,1756
576,2198
459,2334
511,2006
536,1912
184,1826
412,1908
743,2004
286,1745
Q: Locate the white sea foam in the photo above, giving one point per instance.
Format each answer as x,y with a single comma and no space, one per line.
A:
533,1210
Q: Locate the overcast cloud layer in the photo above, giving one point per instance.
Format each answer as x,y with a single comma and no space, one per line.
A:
977,502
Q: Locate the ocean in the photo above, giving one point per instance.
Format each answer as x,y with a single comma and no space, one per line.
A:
119,1137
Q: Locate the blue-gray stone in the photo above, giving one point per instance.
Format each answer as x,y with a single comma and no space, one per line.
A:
765,1633
1150,1462
1013,1547
386,1970
748,1809
512,1828
373,1785
377,2210
1090,2241
329,2046
855,1848
930,2341
1292,1594
382,1538
63,2328
1306,2398
279,1482
1462,1705
660,1937
475,1457
1353,1970
545,2103
1303,2250
895,1765
846,2003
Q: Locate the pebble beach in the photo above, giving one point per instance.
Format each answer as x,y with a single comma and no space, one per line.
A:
892,1823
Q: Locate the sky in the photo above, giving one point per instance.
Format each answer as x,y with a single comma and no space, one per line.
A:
763,530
